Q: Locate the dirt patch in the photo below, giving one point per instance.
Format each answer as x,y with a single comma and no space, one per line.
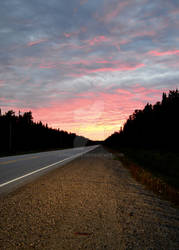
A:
91,203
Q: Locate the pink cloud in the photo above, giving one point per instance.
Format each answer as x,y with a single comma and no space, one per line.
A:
79,72
110,69
144,33
2,82
36,42
147,94
67,35
83,29
94,114
75,33
70,34
83,2
78,114
123,92
75,10
118,43
47,66
81,61
102,61
10,101
81,67
90,62
175,12
115,10
97,39
163,53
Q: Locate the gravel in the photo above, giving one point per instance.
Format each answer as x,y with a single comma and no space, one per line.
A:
90,203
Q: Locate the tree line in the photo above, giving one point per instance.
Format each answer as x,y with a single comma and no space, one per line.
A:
155,126
19,133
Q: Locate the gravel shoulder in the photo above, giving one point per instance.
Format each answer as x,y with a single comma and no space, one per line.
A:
90,203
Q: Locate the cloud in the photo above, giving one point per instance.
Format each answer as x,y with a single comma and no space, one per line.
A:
97,40
57,58
113,10
83,2
121,68
32,43
106,110
163,53
1,83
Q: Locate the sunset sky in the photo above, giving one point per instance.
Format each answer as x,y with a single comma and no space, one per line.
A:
85,66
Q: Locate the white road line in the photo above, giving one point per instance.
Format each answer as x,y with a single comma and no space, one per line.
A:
51,165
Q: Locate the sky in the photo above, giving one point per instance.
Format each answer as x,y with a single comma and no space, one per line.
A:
85,66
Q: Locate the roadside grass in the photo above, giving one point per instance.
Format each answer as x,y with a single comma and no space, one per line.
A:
157,170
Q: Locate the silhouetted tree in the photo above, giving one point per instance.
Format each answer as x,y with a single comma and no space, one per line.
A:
21,133
156,126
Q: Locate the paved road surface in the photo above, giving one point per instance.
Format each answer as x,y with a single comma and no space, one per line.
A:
16,170
92,203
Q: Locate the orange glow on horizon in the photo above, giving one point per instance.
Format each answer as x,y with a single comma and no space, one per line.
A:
93,115
98,132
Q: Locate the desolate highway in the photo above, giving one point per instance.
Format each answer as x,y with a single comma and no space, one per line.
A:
16,170
90,203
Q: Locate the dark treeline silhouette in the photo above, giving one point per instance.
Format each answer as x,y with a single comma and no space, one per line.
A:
19,133
156,126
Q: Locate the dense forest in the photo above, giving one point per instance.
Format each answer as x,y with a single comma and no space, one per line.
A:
19,133
156,126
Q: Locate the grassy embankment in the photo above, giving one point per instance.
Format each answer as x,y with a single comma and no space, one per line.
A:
156,169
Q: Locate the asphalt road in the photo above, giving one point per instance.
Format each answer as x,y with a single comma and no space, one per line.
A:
91,203
17,170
